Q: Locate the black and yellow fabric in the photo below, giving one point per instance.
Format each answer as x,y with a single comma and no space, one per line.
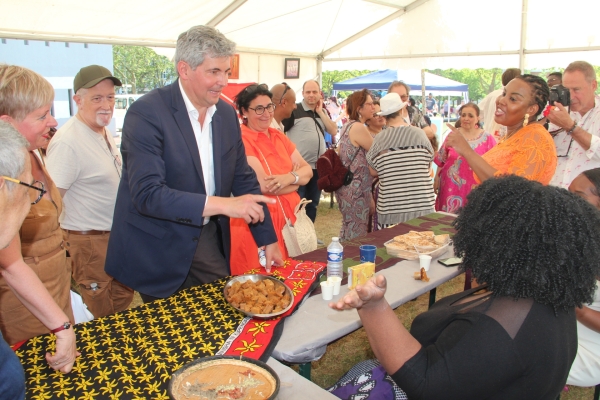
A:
132,354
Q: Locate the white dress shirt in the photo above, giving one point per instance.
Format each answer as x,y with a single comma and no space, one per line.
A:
578,159
205,144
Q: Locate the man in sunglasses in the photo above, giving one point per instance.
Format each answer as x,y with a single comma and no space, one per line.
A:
85,164
183,159
284,99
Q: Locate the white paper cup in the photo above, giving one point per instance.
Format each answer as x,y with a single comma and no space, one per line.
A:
425,261
327,290
336,281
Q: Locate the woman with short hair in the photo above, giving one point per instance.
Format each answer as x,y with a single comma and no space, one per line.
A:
25,102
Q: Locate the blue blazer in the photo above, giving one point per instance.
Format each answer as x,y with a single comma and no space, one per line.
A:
161,196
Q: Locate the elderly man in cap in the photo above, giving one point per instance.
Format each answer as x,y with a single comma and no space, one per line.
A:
85,164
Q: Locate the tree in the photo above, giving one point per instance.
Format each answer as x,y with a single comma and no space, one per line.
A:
331,77
142,68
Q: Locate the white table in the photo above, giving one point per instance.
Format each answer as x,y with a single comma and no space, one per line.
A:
296,387
314,325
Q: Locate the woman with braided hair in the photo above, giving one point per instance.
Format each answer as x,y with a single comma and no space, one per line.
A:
527,149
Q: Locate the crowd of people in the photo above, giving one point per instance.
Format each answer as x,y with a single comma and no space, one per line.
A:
194,195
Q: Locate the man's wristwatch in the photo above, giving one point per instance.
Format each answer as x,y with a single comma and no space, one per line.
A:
296,177
63,327
570,131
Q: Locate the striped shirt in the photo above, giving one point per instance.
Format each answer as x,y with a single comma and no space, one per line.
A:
402,157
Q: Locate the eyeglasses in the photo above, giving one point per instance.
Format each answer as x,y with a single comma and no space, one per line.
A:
284,91
260,110
118,163
37,185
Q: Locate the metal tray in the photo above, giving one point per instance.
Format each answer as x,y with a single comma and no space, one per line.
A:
178,379
257,278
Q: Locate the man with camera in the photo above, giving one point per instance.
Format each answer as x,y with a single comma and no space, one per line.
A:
575,123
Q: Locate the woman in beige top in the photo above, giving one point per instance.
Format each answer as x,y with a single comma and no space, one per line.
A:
25,102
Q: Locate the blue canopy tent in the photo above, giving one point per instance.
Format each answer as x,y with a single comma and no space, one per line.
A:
380,80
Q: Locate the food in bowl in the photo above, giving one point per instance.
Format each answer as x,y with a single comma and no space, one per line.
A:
223,377
266,296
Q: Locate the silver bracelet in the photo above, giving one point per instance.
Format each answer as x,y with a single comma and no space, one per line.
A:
296,177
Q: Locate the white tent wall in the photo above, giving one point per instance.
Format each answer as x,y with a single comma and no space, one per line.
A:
266,68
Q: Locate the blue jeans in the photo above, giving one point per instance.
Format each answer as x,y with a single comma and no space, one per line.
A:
12,376
310,191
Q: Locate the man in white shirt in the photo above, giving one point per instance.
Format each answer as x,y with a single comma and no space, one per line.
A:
284,99
576,130
85,163
183,159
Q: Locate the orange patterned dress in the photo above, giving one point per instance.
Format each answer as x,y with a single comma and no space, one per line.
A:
278,151
529,153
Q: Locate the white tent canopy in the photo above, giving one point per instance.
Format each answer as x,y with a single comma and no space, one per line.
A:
333,34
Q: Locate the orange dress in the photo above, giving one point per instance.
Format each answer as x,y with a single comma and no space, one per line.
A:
278,151
529,153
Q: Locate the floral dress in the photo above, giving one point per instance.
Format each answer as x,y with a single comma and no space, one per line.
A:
456,176
354,200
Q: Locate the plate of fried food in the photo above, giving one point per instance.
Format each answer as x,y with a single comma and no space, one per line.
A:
258,296
413,243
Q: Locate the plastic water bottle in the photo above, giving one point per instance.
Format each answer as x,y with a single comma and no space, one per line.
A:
335,258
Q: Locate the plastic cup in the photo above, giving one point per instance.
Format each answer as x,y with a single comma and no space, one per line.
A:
336,281
425,261
327,290
367,253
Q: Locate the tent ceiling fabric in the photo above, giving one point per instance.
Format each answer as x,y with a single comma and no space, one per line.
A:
425,34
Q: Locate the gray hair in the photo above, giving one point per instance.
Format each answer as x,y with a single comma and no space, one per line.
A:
584,67
12,157
199,42
399,83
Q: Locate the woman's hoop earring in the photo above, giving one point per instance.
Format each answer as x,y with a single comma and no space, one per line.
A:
526,120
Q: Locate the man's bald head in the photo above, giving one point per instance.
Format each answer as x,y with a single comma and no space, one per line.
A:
284,98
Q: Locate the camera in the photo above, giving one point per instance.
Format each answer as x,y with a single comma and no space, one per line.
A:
561,94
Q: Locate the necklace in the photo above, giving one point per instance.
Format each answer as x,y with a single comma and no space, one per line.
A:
509,135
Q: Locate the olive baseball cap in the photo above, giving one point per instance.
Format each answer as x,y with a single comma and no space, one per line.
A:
92,75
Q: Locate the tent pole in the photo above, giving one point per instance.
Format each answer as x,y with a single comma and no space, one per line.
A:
320,71
523,35
424,109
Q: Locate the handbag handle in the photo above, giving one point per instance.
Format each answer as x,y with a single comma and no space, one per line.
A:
288,221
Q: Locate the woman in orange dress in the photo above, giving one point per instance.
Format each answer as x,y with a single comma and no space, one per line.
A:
279,167
527,149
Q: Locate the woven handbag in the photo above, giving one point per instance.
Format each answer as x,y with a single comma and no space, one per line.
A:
301,237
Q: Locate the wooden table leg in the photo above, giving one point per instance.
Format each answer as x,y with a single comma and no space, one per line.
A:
432,296
304,370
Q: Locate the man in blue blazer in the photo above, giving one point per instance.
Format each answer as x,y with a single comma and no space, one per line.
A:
183,159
